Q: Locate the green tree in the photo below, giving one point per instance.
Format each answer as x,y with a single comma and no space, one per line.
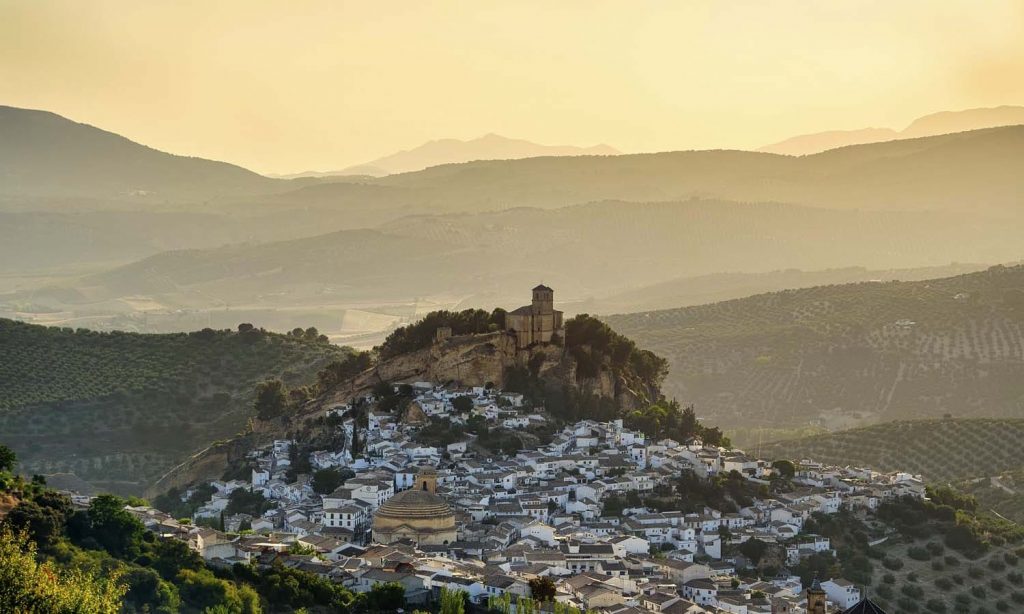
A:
7,458
786,468
113,528
542,589
44,524
26,585
453,601
271,399
326,480
462,404
385,597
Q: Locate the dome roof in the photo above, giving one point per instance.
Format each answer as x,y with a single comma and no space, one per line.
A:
411,504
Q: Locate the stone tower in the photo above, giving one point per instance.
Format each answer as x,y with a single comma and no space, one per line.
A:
781,606
816,598
426,479
543,300
537,322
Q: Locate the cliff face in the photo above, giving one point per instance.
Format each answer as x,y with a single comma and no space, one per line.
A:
469,360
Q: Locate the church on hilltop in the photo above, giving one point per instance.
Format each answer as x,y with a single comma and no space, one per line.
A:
537,322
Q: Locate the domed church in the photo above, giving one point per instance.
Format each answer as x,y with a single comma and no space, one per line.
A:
417,514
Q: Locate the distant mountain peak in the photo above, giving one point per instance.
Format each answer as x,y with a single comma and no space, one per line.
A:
943,122
490,146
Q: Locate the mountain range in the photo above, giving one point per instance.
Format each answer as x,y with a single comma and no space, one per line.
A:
454,151
129,237
944,122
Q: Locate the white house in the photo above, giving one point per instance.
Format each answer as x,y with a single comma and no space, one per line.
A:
841,592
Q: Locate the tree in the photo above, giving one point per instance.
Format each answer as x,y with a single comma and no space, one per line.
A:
42,524
244,501
27,585
7,459
786,468
326,480
542,589
113,528
148,592
462,404
385,597
271,399
453,601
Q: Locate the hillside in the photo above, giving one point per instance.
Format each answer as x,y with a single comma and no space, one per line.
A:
929,125
118,409
454,151
45,155
845,355
943,450
488,259
715,287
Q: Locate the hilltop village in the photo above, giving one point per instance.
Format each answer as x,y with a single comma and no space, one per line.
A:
578,513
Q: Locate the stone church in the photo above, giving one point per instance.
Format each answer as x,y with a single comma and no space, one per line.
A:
537,322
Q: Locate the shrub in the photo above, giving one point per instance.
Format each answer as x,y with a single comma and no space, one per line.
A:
889,578
1011,559
935,548
1002,606
907,604
934,605
978,591
996,565
963,599
1015,576
943,583
884,590
1017,596
912,590
975,573
912,576
951,560
918,553
997,584
937,565
892,563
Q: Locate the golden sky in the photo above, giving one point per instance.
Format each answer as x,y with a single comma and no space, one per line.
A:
318,84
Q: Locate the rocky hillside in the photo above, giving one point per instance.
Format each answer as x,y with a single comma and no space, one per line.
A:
845,355
592,369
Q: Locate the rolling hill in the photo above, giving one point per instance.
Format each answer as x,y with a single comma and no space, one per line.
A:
715,287
119,409
45,155
837,356
489,259
943,450
929,125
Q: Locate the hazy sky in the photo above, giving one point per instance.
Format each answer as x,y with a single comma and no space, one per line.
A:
309,84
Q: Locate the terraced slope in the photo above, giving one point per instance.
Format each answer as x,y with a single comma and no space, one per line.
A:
848,355
119,409
944,450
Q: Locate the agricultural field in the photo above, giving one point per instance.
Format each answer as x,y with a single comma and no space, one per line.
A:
1001,494
943,450
119,409
942,580
847,355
